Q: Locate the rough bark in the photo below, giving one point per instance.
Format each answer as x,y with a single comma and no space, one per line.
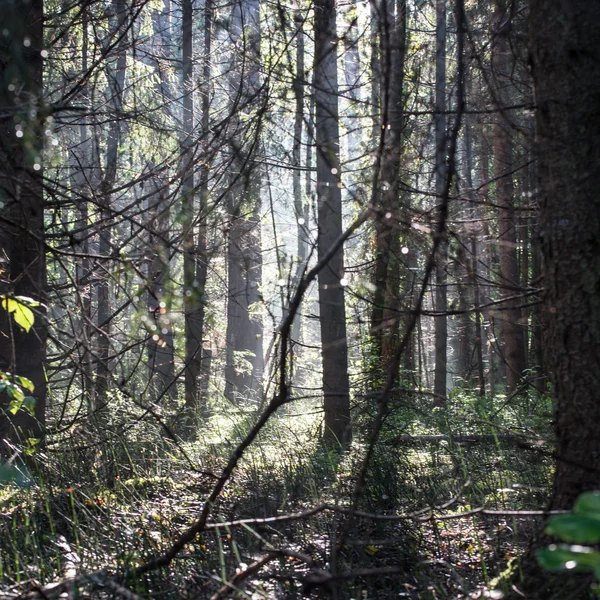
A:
334,343
510,315
22,251
566,71
565,57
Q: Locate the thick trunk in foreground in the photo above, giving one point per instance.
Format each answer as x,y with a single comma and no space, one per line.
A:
22,252
336,387
565,57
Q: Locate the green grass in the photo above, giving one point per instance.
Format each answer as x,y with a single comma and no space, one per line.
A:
74,519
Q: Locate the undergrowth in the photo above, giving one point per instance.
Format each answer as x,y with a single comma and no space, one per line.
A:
117,501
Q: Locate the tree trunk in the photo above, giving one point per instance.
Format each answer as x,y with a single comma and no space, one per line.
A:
565,58
566,71
195,260
336,387
244,351
385,316
161,360
22,251
300,205
510,315
116,88
441,293
84,178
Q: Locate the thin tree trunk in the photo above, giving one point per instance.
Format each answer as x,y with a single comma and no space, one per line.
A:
116,84
161,344
84,179
300,207
376,19
336,387
202,248
194,246
475,232
352,81
385,319
441,293
244,344
510,315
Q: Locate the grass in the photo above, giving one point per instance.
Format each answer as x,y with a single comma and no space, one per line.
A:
70,521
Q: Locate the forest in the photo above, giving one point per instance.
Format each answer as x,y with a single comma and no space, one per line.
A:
299,299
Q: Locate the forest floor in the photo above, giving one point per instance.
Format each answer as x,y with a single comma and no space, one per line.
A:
423,537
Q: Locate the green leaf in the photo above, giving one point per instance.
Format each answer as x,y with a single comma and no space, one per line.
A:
588,504
29,405
22,314
578,529
15,392
14,406
569,558
25,383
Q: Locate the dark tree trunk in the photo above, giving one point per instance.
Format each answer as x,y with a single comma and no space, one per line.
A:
195,260
565,58
336,387
385,316
22,252
510,315
376,19
566,71
116,88
441,292
202,256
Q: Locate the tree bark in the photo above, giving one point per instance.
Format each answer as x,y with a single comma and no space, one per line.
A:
565,59
22,251
336,387
300,205
195,259
116,88
510,315
244,338
566,71
441,292
385,315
